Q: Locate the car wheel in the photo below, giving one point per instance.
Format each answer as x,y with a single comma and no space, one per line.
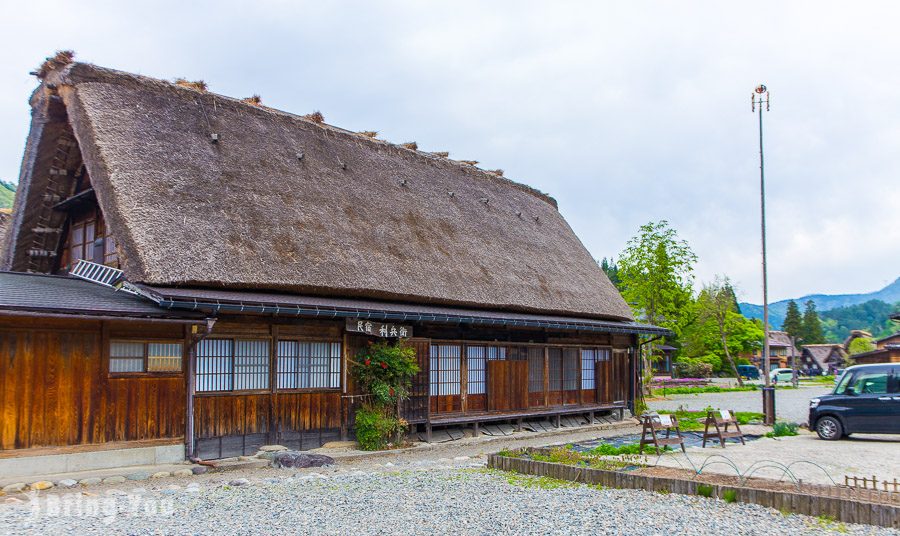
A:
829,428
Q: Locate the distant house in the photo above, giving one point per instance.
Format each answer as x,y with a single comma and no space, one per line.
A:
887,350
779,351
891,340
663,365
817,359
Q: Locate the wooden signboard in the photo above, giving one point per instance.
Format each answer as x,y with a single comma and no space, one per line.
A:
379,329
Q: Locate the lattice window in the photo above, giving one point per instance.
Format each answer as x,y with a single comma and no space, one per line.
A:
589,358
129,356
570,369
251,365
476,362
309,365
445,369
535,369
215,365
556,369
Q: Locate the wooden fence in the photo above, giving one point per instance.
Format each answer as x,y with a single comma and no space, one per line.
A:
842,509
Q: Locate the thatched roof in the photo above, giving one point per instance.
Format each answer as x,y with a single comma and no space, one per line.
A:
824,354
203,190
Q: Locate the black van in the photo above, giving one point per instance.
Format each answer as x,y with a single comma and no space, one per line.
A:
866,399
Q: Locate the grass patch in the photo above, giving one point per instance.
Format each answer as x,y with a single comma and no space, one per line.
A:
729,495
783,429
538,482
705,490
664,391
693,421
568,456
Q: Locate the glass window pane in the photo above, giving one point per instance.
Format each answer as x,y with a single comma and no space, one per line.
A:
288,361
164,357
251,365
214,365
874,383
120,364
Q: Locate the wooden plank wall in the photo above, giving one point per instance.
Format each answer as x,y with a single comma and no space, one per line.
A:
507,385
55,391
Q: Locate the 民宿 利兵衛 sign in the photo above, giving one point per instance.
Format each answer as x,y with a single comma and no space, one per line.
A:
378,329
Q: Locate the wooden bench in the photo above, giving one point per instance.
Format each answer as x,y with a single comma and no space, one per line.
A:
653,425
720,420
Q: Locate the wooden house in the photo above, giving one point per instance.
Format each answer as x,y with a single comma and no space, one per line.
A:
818,359
256,253
780,351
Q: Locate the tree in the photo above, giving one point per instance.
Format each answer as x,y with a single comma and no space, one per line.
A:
812,326
719,329
860,345
793,322
612,271
656,271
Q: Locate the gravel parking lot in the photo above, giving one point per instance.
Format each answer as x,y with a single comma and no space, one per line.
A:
791,405
419,498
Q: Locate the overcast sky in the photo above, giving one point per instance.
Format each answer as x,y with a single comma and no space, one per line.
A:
626,112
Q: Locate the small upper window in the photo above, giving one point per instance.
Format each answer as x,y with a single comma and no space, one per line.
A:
129,357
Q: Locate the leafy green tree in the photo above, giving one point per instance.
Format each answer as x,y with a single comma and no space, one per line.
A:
860,345
657,273
612,271
719,330
812,326
793,322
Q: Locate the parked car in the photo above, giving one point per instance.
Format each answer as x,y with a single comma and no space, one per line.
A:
865,400
781,375
837,375
749,372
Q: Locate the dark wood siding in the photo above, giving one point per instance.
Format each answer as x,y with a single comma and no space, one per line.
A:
54,388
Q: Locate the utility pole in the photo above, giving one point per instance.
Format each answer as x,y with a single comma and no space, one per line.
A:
759,97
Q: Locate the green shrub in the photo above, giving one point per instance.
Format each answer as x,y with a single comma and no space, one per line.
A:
729,496
705,490
692,367
375,426
782,429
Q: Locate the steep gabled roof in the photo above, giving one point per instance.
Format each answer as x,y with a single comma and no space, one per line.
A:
207,191
824,353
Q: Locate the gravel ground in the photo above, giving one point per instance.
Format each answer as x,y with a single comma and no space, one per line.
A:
436,497
790,404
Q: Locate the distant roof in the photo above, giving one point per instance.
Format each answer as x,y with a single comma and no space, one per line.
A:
821,352
23,292
205,190
287,305
779,338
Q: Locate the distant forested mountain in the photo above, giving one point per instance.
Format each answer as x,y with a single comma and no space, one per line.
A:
871,316
824,302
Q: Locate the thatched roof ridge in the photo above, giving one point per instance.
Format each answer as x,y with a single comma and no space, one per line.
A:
207,191
86,72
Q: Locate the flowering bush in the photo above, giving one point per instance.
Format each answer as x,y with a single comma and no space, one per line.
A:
384,371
